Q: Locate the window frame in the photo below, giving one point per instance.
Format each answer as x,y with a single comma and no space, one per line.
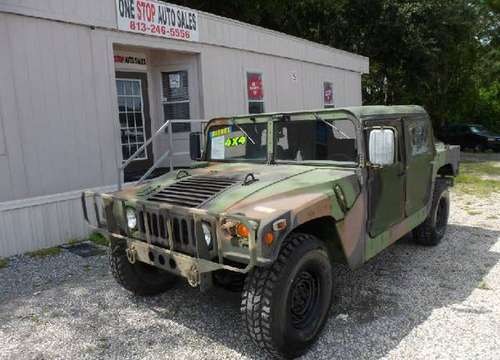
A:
248,100
146,155
164,101
412,124
341,163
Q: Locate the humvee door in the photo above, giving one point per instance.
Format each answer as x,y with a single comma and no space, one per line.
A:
420,152
386,184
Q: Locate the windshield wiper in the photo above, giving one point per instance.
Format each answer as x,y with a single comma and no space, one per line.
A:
332,126
233,121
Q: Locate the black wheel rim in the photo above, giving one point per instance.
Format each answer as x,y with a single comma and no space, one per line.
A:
441,217
304,299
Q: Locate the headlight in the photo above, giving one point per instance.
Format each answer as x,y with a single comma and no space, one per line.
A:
207,233
131,219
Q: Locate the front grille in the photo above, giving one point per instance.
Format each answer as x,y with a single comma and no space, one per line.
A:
183,231
193,191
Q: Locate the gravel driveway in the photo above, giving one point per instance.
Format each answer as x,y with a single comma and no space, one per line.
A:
409,302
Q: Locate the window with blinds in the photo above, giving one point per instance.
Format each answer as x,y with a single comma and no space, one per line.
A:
175,100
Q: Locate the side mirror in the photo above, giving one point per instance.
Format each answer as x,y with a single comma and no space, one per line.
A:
195,146
382,149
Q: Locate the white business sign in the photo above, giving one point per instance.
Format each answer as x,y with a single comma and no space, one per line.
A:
157,19
130,60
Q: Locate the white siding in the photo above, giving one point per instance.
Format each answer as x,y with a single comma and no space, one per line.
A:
214,30
42,222
224,83
58,108
90,12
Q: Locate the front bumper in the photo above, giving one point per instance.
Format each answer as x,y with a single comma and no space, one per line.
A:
189,256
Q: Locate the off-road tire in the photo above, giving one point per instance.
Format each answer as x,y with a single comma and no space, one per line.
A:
139,278
273,296
432,230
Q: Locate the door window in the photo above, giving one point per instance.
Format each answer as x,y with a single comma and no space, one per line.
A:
419,135
131,114
176,103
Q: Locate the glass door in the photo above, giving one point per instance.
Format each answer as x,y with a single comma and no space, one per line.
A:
135,123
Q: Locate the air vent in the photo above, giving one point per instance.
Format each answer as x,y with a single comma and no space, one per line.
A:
193,191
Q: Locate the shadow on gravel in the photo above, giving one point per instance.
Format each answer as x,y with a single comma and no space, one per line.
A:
378,304
374,309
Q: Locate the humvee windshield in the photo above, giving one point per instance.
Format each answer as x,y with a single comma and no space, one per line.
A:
321,140
295,141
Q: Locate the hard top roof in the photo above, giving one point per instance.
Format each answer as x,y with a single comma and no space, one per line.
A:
361,112
364,112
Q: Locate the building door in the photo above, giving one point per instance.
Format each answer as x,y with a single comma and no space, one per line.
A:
135,121
177,84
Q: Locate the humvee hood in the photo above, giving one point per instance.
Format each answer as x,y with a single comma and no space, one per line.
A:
253,190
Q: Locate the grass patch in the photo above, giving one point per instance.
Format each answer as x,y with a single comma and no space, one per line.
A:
491,168
483,285
53,251
4,263
74,241
99,239
35,318
471,179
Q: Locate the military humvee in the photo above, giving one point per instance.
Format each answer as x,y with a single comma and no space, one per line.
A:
273,201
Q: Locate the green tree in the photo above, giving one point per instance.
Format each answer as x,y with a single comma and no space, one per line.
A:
440,54
487,71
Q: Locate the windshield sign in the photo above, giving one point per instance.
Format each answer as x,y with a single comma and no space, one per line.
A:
238,142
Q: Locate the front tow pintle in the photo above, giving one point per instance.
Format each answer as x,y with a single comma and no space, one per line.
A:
193,276
131,254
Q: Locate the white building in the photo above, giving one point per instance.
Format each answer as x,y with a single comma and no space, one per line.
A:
82,83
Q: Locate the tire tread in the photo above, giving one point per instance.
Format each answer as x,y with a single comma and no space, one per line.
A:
257,295
124,273
425,233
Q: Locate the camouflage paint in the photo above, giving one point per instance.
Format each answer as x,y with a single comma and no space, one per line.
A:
298,193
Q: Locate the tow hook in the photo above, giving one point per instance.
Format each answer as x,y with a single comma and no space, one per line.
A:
193,276
131,254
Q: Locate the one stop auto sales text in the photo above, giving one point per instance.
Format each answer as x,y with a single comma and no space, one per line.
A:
157,19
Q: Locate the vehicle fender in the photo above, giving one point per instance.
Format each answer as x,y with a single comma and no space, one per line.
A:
343,230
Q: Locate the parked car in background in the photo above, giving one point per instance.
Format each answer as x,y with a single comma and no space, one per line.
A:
471,136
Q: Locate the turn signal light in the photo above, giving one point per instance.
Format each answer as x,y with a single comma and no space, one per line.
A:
242,231
280,225
269,238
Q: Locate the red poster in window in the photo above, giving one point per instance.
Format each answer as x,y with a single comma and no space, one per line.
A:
328,93
255,87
